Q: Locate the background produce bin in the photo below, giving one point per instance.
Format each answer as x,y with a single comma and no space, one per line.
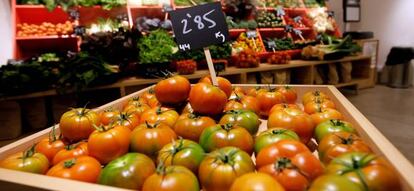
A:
377,142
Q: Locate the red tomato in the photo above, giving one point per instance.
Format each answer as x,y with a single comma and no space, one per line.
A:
289,93
77,124
283,106
108,116
190,126
267,99
317,105
245,102
155,136
338,143
254,91
172,178
160,114
107,143
207,99
137,109
221,167
312,96
27,161
325,114
149,98
127,119
293,119
223,84
254,181
82,168
173,90
50,146
291,163
71,151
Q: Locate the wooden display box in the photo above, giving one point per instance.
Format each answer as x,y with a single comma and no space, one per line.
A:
378,143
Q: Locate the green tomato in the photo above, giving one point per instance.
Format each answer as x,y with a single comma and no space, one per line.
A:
332,126
334,183
183,152
27,161
128,171
271,136
246,119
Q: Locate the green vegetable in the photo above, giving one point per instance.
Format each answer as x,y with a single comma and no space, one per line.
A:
157,47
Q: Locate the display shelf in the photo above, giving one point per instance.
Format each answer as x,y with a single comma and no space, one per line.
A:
367,131
22,38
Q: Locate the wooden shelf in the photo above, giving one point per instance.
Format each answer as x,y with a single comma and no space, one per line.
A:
22,38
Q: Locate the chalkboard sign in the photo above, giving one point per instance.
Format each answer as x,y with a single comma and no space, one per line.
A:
199,26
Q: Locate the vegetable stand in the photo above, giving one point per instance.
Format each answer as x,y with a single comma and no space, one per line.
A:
378,143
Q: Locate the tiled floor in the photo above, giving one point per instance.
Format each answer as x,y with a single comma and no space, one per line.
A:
390,110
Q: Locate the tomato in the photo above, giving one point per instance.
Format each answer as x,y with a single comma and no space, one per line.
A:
137,109
282,106
271,136
77,124
331,126
190,126
134,101
289,93
108,116
223,84
172,178
219,136
314,106
128,171
107,143
369,171
50,146
207,99
154,137
127,119
335,144
325,114
173,90
147,95
71,151
245,103
313,95
255,182
221,167
254,91
182,152
267,99
27,161
160,114
246,119
187,109
237,92
291,163
334,183
292,119
83,168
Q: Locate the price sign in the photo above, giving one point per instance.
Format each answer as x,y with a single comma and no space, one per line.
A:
271,44
331,14
298,19
251,34
288,28
199,26
279,11
166,8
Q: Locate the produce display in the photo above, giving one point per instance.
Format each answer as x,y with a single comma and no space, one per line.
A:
66,4
250,24
333,48
247,59
321,21
279,44
278,58
191,2
298,21
44,29
208,148
244,43
267,19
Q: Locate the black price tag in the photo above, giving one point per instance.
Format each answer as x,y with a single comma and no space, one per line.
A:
79,30
251,34
199,26
271,44
288,28
331,14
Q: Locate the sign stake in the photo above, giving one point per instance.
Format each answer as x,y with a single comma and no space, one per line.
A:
210,66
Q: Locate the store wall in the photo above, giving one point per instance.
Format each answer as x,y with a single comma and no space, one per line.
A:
5,32
392,22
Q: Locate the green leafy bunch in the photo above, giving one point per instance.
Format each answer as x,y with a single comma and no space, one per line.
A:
156,47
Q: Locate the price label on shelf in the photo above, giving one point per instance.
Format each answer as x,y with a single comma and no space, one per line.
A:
199,26
280,11
298,19
271,44
251,34
288,28
166,8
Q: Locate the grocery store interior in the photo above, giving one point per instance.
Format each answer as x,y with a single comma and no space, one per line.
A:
333,77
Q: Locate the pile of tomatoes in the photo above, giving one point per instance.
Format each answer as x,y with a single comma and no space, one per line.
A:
181,137
44,29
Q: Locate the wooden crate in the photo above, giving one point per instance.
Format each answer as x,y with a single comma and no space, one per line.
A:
378,143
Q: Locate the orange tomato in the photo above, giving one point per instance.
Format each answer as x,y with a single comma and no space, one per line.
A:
267,99
137,109
26,161
77,124
252,181
108,116
223,84
83,168
207,99
314,106
71,151
127,119
173,90
283,106
190,126
289,93
246,102
160,114
313,95
107,143
325,114
50,146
